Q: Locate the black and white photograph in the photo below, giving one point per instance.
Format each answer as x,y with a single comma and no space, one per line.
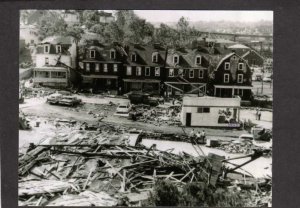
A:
145,108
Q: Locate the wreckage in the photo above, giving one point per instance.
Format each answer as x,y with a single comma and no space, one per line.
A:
117,170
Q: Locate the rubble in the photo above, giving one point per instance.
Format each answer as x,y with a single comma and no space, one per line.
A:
100,168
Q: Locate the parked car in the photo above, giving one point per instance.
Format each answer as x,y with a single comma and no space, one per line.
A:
267,79
54,98
59,99
69,100
124,107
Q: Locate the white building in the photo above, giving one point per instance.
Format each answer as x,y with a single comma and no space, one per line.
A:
210,111
53,59
29,33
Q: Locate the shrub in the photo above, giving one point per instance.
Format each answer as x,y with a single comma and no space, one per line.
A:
165,193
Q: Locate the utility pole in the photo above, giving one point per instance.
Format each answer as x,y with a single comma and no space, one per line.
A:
262,81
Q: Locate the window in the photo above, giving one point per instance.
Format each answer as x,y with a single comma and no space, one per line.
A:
115,67
105,67
133,57
138,71
97,68
240,78
157,71
32,41
238,92
58,49
87,67
201,73
155,57
227,65
191,73
112,54
46,48
147,71
203,110
198,60
58,75
226,78
180,72
241,66
128,70
175,59
46,61
171,72
92,53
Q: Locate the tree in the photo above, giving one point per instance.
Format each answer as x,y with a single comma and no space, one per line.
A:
76,33
51,24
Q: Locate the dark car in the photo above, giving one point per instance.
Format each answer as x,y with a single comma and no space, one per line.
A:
69,101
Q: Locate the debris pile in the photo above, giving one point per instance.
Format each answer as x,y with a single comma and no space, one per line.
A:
244,147
100,169
158,116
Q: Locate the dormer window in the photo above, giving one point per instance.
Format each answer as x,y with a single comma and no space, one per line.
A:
227,65
175,59
113,54
46,48
133,57
198,60
58,49
155,57
92,53
241,66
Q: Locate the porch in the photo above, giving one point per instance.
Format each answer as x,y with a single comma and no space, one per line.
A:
229,91
145,85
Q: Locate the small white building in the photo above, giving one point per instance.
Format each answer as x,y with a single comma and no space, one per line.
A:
210,111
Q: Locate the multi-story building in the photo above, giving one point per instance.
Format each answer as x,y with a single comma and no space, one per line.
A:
53,62
144,68
232,77
103,67
186,71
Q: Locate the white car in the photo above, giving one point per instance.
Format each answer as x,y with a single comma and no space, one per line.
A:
123,109
248,137
267,79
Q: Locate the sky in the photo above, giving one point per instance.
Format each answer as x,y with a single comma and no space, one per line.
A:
204,15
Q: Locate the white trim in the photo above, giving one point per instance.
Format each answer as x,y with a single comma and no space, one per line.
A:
198,56
87,67
157,69
146,69
115,67
171,74
240,75
97,67
191,70
242,66
105,68
227,64
201,77
46,61
175,56
225,79
58,47
138,71
133,55
155,54
91,53
112,51
48,48
129,70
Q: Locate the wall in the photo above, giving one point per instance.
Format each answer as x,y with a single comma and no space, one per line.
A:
203,119
40,59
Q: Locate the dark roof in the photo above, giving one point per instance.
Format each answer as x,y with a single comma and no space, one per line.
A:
62,40
144,54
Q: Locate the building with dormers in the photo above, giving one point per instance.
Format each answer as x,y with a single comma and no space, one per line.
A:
144,68
53,62
232,77
103,67
186,71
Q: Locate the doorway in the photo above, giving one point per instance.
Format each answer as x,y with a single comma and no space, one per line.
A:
188,119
